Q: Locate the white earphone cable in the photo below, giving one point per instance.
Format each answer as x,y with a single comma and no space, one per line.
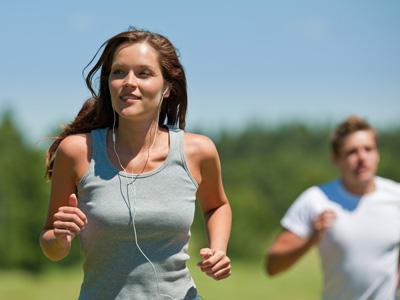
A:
132,186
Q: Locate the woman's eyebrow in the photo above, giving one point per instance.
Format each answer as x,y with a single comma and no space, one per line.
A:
141,66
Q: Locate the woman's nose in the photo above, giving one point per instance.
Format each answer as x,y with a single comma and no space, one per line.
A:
130,80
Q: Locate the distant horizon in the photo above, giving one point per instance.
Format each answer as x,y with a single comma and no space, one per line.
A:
43,140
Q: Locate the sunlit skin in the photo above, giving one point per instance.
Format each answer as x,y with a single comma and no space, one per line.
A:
136,87
136,83
357,162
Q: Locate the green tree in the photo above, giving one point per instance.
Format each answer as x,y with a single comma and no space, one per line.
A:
24,196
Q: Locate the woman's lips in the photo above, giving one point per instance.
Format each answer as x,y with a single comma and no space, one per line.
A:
130,98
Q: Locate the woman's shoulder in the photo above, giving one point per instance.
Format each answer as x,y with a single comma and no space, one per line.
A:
199,145
73,156
75,146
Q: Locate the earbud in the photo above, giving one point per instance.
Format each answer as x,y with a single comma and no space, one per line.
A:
166,90
113,128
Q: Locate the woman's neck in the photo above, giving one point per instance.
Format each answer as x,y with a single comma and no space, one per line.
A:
136,136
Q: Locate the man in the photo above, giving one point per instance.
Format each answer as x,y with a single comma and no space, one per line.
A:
354,221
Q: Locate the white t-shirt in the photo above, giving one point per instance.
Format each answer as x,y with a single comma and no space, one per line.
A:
359,254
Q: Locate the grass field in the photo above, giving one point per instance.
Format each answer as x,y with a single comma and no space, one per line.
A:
248,281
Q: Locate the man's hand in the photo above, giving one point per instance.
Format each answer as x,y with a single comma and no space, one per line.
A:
322,223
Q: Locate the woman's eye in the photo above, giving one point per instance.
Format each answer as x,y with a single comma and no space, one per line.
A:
144,74
117,72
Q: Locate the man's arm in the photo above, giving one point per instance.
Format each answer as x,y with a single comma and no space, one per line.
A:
288,247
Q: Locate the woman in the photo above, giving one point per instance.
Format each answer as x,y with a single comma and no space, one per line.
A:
126,182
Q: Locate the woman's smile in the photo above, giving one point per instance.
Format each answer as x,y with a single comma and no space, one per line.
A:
130,99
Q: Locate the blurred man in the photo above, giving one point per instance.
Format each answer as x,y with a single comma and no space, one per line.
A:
354,221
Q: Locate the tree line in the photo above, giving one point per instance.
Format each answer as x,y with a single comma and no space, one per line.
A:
264,170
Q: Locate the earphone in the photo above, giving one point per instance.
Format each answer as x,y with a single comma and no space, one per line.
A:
163,94
131,185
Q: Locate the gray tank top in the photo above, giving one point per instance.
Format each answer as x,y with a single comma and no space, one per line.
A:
161,203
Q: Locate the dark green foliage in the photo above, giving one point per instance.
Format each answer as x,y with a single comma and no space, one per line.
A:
389,145
23,199
264,170
24,195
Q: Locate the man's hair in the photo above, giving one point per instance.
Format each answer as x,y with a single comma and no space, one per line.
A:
347,127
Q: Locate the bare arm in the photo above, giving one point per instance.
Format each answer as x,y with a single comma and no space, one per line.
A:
288,247
64,220
206,168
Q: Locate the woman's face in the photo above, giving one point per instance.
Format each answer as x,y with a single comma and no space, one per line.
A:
136,83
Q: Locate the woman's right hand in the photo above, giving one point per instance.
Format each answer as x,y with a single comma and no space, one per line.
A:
69,221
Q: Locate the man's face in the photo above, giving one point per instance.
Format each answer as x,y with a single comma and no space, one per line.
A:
358,157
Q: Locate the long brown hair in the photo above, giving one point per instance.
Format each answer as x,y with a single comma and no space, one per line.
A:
97,111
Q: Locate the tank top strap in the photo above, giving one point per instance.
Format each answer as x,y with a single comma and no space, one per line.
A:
176,145
176,154
99,145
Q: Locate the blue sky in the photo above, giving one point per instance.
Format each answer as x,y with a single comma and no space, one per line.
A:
246,61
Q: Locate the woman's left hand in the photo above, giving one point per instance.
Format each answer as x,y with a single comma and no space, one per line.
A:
215,263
